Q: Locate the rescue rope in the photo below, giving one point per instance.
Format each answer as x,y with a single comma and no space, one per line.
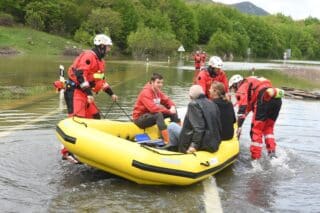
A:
108,110
124,111
157,152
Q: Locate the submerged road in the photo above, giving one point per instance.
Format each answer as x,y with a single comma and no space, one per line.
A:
34,178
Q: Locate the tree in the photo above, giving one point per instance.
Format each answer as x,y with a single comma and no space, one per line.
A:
210,18
6,19
14,7
192,23
50,14
102,21
263,40
221,43
82,36
314,31
130,20
311,20
241,39
147,42
183,22
34,20
156,19
71,15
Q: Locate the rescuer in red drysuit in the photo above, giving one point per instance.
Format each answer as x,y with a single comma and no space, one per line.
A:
197,65
86,76
257,94
203,58
211,74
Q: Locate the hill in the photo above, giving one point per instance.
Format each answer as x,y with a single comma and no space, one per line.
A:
20,40
199,1
248,7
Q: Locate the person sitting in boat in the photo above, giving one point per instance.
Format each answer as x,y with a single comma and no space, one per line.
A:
212,73
227,114
201,128
153,106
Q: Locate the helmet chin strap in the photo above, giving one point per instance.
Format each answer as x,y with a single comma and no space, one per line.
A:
236,85
100,50
211,71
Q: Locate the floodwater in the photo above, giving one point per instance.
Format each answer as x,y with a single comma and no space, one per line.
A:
33,177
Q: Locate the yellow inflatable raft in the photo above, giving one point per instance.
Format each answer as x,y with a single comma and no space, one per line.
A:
108,145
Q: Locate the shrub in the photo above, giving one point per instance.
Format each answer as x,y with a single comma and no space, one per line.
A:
151,42
34,20
83,37
6,19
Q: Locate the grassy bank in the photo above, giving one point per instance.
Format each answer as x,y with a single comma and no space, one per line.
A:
16,92
23,101
32,42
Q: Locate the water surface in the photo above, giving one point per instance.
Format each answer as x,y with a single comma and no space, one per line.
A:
35,179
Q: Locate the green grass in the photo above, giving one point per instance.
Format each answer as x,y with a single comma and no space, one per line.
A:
32,42
14,93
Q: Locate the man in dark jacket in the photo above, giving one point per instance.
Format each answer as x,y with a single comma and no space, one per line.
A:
201,127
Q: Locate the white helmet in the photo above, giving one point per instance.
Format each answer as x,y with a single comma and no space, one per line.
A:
215,62
235,79
102,39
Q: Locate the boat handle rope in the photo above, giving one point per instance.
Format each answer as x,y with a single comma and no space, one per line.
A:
83,123
207,163
155,151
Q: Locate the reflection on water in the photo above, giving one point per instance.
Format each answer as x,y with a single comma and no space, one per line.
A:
34,178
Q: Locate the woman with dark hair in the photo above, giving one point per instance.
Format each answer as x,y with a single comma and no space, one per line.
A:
227,114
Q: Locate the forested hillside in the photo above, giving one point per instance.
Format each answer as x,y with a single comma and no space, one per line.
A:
248,7
159,27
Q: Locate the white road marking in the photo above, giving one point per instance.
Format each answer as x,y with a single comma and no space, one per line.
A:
211,196
23,126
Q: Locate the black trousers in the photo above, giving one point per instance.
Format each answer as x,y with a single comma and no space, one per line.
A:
149,119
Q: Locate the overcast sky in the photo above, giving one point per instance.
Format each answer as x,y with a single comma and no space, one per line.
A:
297,9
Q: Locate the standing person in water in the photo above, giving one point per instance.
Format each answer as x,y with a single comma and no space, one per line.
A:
86,76
257,94
211,74
197,65
203,58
